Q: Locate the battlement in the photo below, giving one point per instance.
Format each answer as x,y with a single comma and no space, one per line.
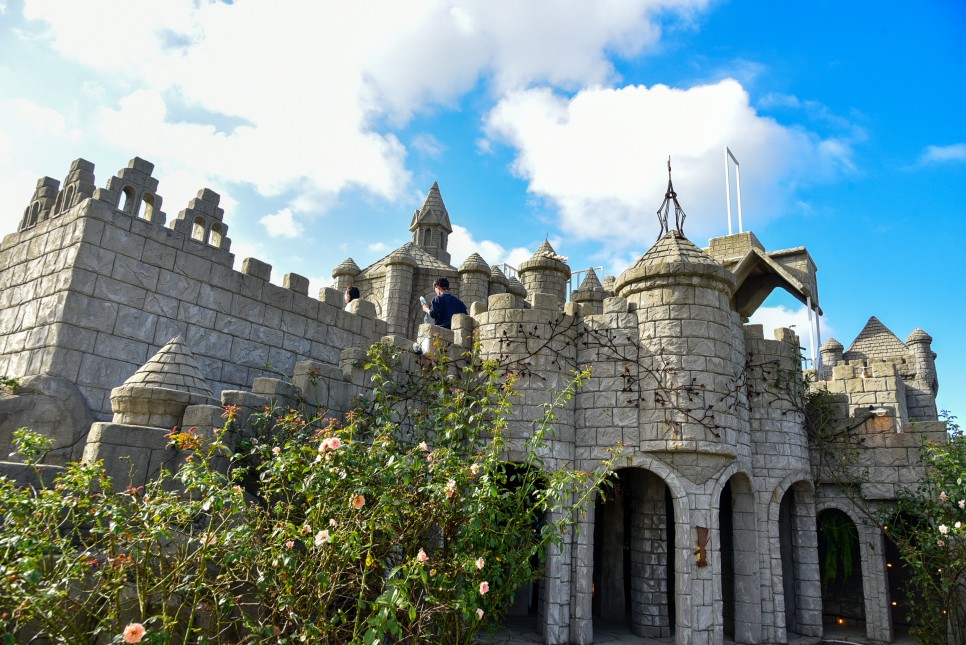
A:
90,291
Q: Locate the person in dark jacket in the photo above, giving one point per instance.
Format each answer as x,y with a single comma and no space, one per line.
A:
445,305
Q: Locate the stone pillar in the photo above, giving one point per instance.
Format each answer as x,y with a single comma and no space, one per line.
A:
582,622
921,395
831,351
808,582
590,296
875,583
556,623
474,280
400,267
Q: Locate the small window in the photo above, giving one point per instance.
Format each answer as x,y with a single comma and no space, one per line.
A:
199,231
128,202
69,200
215,235
34,214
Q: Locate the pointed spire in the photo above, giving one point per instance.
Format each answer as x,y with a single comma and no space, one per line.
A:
433,212
591,282
665,209
547,251
875,341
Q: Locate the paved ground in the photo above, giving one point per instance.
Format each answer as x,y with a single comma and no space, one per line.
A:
525,631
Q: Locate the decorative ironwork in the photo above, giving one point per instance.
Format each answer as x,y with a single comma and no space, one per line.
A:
665,210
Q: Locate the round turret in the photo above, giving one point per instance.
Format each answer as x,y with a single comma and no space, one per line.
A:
695,346
396,305
590,295
345,274
546,272
157,394
920,344
474,280
831,351
498,281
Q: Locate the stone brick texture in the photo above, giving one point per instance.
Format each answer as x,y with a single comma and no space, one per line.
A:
701,412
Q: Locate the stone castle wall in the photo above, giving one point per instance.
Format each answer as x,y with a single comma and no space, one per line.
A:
91,294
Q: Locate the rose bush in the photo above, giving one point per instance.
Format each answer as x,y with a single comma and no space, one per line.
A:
402,521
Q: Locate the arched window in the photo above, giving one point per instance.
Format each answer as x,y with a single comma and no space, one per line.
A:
215,239
200,230
425,237
59,204
128,202
69,199
34,214
148,200
442,240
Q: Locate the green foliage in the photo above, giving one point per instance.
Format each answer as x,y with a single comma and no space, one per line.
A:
31,446
401,522
840,538
929,529
10,383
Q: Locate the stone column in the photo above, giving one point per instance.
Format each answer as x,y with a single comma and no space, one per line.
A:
875,583
400,267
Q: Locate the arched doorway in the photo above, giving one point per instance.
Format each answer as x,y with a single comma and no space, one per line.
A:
633,578
840,568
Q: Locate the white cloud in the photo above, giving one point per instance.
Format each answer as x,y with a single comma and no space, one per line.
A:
943,154
461,244
601,156
427,145
773,317
281,224
308,81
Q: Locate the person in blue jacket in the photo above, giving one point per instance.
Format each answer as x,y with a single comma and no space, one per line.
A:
445,305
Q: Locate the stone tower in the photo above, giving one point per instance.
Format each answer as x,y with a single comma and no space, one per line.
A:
430,226
546,272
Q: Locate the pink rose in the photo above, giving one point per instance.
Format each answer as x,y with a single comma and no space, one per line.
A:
480,563
484,587
133,633
421,556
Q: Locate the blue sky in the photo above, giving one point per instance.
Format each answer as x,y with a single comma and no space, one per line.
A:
323,124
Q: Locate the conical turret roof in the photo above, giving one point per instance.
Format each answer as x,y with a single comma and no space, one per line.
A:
672,255
475,262
674,247
547,251
346,267
591,282
173,368
433,212
831,345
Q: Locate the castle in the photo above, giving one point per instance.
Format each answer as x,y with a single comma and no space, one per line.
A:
120,327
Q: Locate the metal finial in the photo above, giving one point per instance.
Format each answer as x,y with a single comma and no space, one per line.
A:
665,210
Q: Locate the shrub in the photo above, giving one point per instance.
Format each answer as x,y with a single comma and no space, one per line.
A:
400,521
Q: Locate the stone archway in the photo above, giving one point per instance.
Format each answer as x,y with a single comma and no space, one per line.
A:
840,567
633,572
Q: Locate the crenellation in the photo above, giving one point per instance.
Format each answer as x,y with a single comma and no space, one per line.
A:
699,403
